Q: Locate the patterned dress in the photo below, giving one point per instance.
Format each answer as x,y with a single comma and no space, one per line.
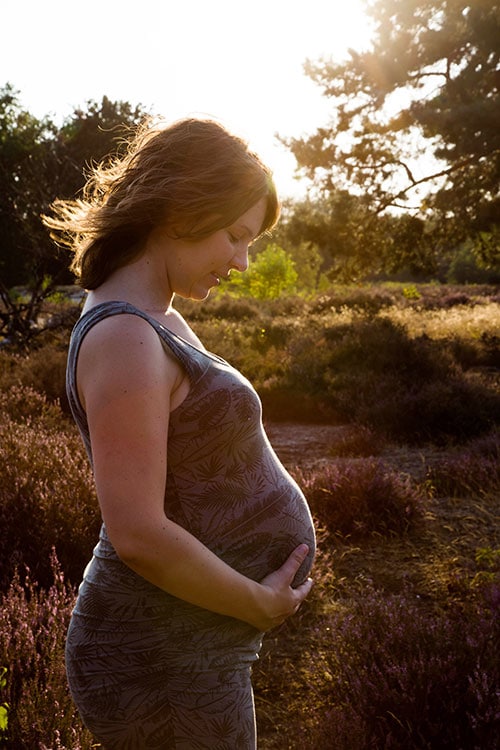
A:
146,669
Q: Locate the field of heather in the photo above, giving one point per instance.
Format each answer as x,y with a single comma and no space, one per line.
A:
383,401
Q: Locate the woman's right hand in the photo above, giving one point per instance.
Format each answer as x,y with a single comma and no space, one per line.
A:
278,600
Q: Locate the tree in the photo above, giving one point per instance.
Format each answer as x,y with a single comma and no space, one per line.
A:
38,163
416,119
90,135
349,236
24,178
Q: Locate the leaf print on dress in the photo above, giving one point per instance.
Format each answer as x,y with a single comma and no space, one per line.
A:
211,410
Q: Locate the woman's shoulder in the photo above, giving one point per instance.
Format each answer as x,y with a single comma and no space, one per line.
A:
125,347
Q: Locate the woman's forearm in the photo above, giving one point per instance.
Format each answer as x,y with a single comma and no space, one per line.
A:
175,561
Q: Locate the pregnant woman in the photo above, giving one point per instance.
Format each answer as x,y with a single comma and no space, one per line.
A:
206,540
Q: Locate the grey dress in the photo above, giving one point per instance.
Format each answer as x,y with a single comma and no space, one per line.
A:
146,669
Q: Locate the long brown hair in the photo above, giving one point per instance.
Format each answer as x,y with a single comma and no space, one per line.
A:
192,176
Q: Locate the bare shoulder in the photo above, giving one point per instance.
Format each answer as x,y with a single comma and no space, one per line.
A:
125,333
125,352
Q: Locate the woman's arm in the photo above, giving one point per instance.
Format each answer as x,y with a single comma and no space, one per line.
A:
127,383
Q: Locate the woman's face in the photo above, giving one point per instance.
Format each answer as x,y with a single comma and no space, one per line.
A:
193,267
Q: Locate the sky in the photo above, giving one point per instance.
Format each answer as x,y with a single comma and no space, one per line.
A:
240,62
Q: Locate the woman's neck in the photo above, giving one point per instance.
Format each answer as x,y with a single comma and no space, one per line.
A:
138,283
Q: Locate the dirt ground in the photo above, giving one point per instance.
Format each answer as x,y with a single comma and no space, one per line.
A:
310,445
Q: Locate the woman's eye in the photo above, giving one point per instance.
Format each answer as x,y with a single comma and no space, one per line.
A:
233,238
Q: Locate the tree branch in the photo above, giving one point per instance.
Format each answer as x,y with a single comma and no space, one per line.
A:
421,181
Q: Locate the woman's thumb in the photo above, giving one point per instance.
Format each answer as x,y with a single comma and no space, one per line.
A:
295,560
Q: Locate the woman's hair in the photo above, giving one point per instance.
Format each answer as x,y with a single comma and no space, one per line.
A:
193,177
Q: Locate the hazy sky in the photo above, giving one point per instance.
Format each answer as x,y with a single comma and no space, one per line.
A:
241,62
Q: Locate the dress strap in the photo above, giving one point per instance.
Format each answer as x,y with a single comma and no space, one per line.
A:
194,360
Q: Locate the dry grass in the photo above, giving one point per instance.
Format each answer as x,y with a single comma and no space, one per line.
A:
461,321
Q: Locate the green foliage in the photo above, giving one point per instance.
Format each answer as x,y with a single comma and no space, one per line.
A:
4,707
40,162
25,176
427,85
466,267
411,292
270,275
350,238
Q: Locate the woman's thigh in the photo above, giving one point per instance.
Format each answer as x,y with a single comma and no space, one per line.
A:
206,711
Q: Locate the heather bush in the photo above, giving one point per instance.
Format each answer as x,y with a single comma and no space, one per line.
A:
33,626
353,363
451,410
379,346
438,322
437,296
472,472
43,369
46,490
362,497
482,351
25,404
370,299
410,389
358,441
220,306
389,672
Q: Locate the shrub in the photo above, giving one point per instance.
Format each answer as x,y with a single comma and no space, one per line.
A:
27,405
370,299
356,364
453,409
409,389
388,673
43,369
220,306
358,440
362,497
46,490
380,346
473,472
33,626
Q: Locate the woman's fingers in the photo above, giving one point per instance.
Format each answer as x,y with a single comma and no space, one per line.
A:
285,600
283,577
303,590
293,563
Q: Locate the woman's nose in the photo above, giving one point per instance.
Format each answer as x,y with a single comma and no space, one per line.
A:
240,260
